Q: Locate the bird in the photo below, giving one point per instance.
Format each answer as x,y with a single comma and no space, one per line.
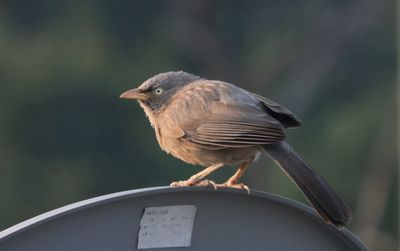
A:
213,123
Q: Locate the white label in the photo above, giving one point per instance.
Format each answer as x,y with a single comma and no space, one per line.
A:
170,226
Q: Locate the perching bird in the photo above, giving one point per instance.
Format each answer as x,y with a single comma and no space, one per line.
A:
212,123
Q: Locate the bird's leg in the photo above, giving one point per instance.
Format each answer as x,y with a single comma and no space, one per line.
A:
232,182
197,179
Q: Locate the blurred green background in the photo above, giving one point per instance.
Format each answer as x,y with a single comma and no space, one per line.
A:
65,136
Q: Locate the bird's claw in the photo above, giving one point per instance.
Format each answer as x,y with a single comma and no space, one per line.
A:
189,183
234,185
209,183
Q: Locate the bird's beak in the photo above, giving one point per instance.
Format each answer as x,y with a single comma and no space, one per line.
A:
134,94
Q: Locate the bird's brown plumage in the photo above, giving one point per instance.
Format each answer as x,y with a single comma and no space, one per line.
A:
213,123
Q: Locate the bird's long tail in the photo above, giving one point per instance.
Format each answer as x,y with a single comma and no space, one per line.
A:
314,187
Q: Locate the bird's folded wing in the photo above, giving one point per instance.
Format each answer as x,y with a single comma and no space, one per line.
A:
236,126
286,117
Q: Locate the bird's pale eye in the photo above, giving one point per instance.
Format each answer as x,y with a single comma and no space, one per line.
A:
158,91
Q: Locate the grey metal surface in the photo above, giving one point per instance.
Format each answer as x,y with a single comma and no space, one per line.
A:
226,220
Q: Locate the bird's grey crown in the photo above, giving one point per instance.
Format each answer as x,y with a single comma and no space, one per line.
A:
173,78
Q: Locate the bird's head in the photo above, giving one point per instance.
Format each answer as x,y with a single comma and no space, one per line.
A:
156,92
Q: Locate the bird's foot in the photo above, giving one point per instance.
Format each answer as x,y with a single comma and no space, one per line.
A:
235,185
190,183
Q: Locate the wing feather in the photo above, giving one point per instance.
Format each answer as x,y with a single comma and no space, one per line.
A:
230,126
216,115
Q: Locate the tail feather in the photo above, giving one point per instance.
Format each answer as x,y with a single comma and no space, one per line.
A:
327,203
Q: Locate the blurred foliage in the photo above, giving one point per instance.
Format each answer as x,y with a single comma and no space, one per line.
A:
65,135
